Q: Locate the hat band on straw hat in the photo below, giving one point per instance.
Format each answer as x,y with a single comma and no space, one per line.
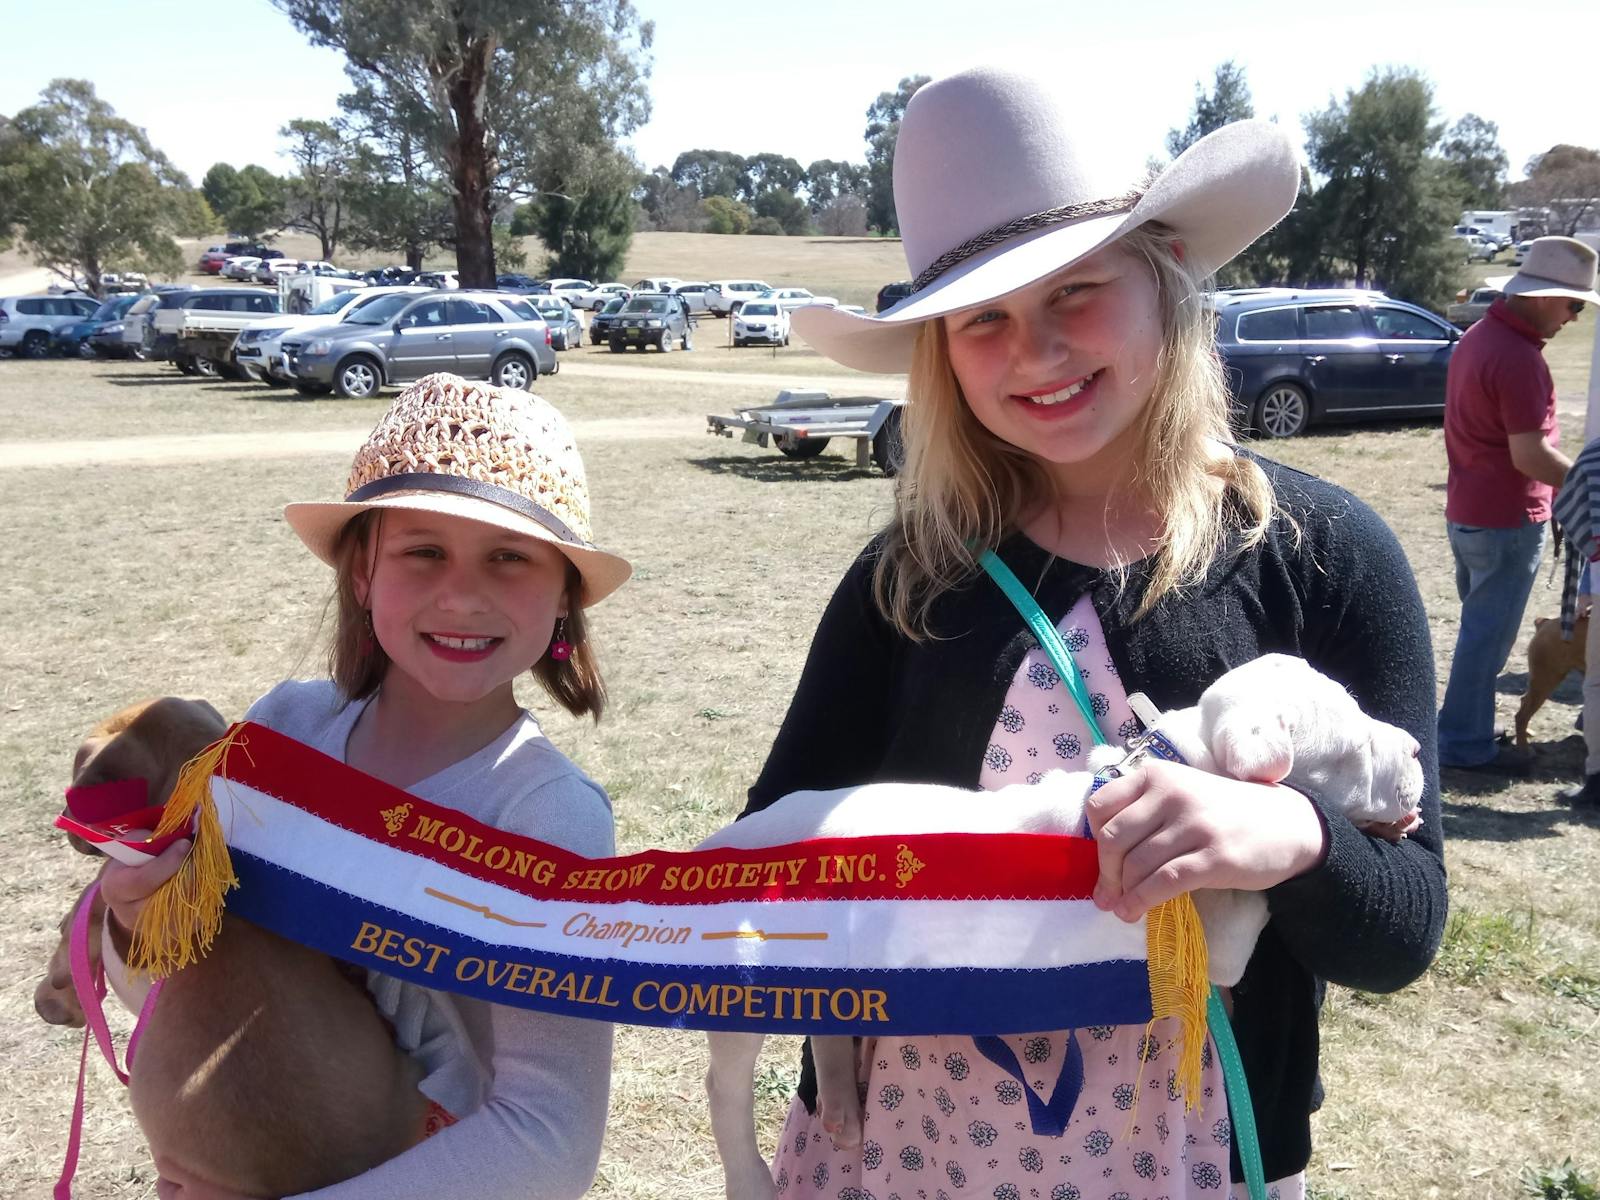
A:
1021,225
429,481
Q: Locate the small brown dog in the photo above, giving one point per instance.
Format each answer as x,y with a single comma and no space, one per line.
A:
1550,660
265,1068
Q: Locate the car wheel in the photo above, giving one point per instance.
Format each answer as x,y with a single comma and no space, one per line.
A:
185,366
271,380
204,366
664,342
888,447
738,342
312,389
139,354
35,345
514,371
356,379
86,349
786,339
1283,411
808,447
617,346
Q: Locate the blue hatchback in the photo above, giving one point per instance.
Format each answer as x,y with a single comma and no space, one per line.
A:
73,340
1295,357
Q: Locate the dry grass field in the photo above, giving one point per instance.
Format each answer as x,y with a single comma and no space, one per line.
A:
175,573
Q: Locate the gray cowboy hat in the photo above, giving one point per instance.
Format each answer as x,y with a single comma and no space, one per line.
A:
994,192
1554,266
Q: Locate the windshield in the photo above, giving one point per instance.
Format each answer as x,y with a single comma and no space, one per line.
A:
649,304
760,310
332,304
382,310
113,308
613,306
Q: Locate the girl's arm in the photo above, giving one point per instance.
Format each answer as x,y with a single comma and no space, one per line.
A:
1351,907
538,1134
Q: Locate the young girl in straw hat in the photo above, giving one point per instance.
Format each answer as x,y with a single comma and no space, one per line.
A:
1068,413
462,559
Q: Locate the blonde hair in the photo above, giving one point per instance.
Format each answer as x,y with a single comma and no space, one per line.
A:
962,490
357,663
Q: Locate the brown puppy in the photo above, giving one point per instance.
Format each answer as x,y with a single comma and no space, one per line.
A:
263,1069
1550,660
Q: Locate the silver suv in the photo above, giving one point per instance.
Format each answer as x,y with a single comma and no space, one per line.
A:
395,339
28,323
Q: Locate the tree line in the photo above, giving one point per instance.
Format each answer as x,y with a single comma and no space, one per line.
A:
470,129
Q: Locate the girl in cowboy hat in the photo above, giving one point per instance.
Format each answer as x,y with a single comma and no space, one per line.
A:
462,559
1068,414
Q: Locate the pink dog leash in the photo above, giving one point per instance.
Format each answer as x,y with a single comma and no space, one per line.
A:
90,984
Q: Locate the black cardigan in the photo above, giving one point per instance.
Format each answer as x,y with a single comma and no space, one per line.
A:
872,705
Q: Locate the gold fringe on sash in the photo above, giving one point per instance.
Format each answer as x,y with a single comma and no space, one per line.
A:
1175,943
181,918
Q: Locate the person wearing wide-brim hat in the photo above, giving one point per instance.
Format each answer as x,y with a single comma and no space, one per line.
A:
1501,440
1067,412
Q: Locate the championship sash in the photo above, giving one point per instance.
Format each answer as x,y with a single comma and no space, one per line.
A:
923,933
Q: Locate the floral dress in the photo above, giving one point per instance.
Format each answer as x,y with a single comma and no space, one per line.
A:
944,1119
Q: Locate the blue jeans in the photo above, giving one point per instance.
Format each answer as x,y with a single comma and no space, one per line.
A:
1494,574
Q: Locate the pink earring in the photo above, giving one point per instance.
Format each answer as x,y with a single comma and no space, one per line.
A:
368,639
560,648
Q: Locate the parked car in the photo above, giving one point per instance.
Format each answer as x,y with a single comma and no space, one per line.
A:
439,279
566,329
259,350
663,284
390,275
137,332
724,296
28,323
75,339
693,293
602,294
114,283
791,298
198,332
891,294
212,260
1474,246
761,321
395,339
653,319
601,322
1294,358
241,267
268,269
516,283
570,290
1521,252
1471,308
1500,240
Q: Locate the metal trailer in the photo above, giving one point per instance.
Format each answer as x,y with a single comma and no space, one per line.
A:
802,423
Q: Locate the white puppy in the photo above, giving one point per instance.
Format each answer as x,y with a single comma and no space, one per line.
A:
1272,720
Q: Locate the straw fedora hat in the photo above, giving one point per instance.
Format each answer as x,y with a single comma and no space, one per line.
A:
993,192
494,455
1554,266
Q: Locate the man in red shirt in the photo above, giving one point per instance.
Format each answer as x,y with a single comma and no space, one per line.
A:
1500,437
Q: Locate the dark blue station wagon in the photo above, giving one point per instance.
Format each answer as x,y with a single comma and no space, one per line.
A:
1298,357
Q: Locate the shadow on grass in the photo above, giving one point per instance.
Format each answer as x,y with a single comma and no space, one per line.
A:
123,381
1341,430
778,469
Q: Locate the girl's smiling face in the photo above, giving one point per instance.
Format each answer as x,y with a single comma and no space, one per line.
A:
461,608
1062,368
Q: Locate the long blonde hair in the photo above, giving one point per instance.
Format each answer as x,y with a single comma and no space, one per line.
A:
357,663
961,489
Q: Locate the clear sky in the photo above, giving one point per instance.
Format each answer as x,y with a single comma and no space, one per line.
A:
212,80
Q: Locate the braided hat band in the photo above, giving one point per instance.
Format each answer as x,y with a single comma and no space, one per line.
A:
1015,228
